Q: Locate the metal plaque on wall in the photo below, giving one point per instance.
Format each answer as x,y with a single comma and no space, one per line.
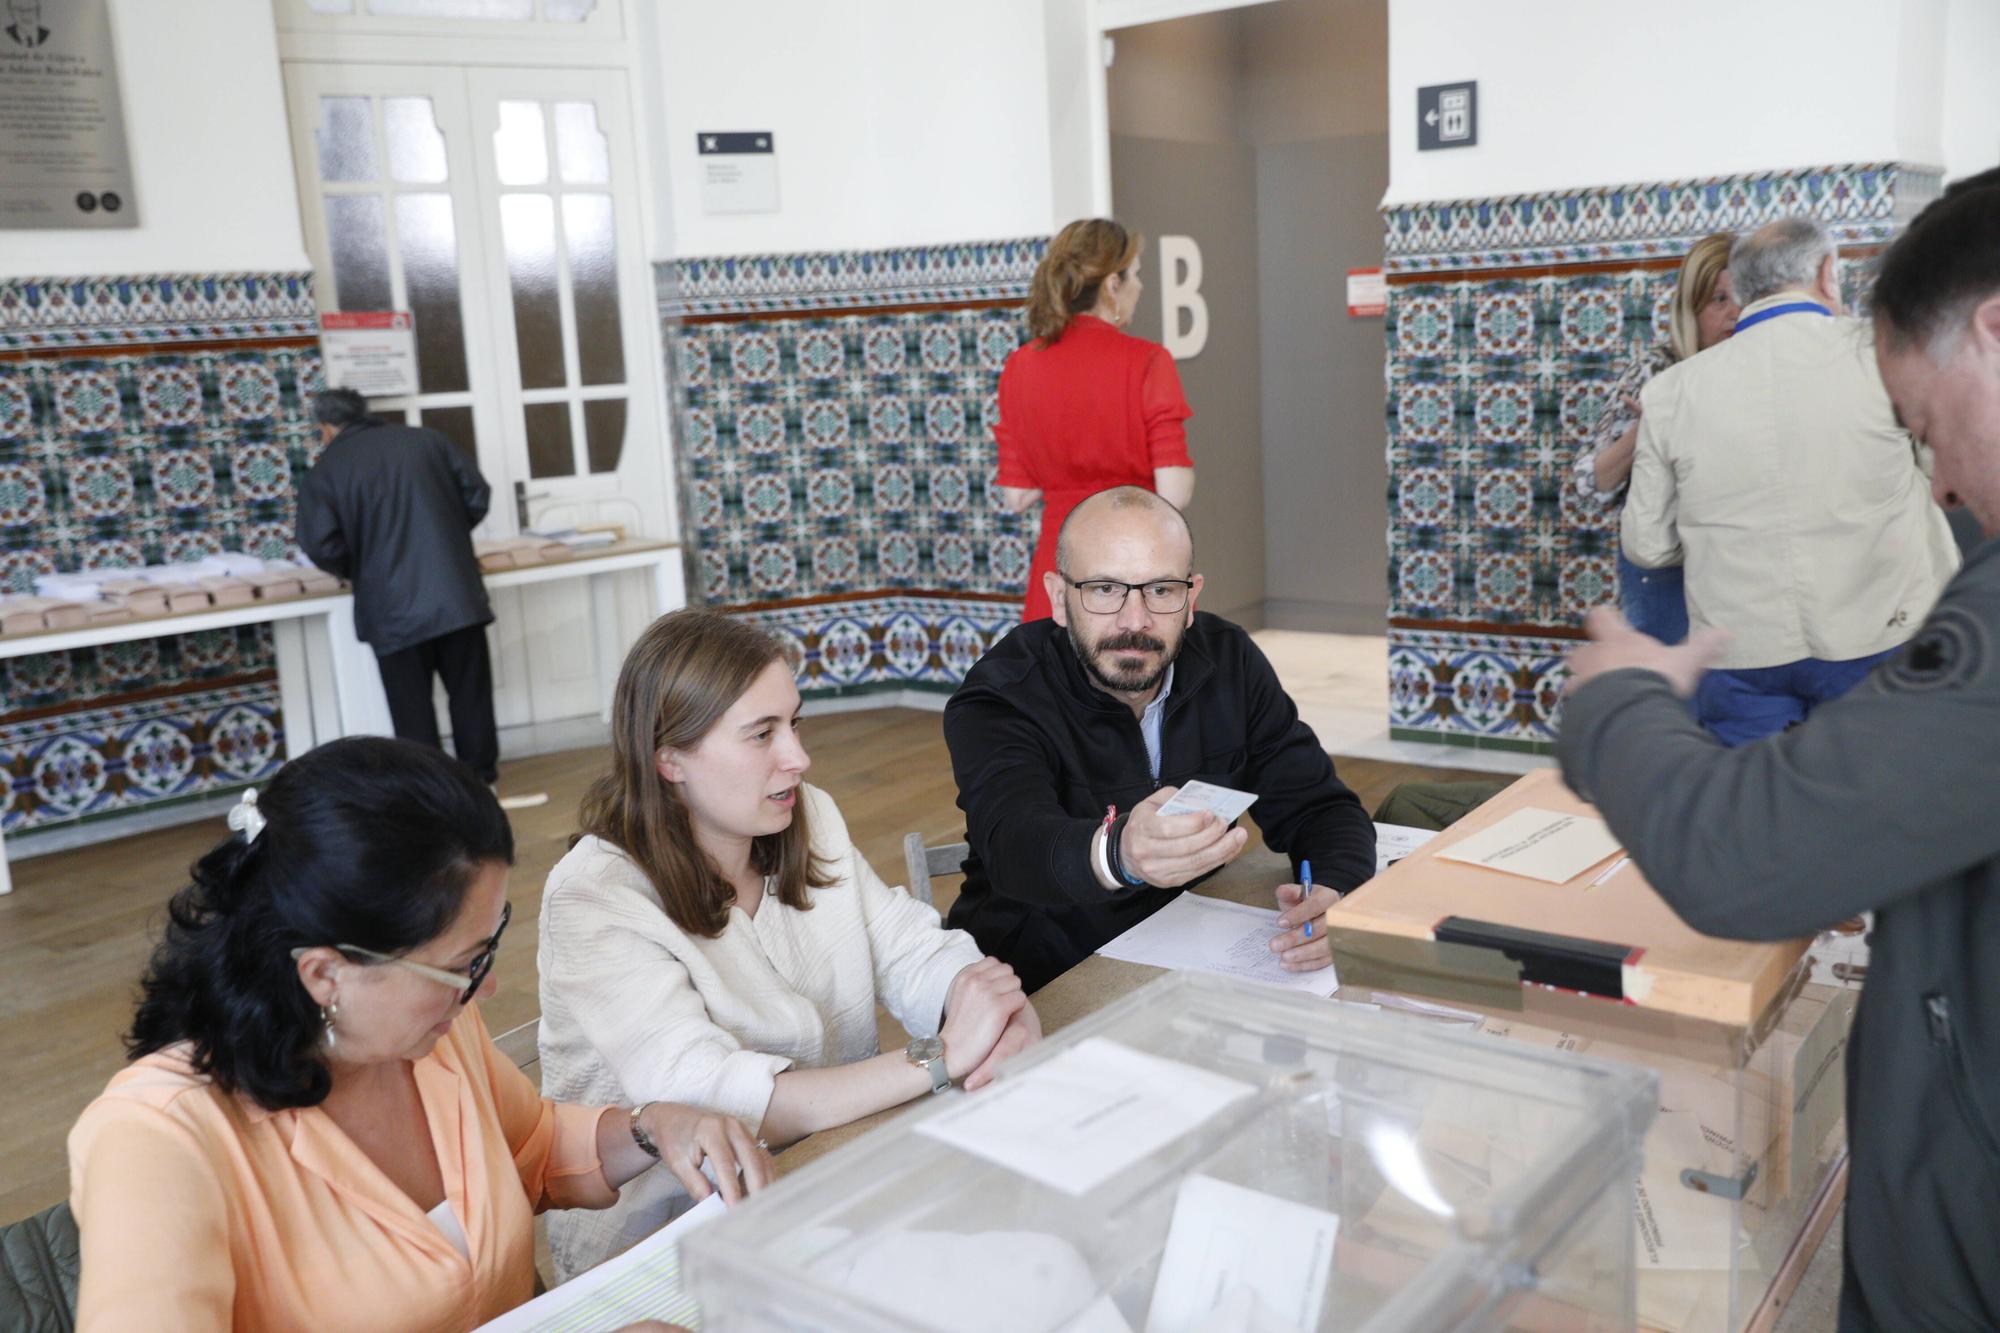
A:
63,161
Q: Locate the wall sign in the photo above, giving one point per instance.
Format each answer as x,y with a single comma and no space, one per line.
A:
739,171
1180,290
1448,116
1367,292
373,352
63,162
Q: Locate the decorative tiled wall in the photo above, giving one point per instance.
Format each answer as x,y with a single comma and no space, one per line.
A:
1505,333
146,419
835,414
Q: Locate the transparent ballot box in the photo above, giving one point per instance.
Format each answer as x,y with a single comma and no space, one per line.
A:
1744,1164
1745,1161
1211,1155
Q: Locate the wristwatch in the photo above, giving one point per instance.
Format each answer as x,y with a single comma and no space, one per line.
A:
928,1054
639,1134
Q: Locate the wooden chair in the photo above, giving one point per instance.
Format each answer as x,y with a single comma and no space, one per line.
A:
947,858
520,1045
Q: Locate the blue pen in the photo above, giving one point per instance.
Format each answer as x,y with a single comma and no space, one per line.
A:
1306,890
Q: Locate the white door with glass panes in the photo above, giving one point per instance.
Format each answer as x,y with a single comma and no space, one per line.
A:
498,206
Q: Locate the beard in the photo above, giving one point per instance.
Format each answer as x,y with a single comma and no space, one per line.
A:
1103,668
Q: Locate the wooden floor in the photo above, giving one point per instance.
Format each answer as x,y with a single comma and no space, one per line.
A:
75,932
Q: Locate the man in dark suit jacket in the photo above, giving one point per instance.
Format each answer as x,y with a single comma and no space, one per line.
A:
1071,733
391,508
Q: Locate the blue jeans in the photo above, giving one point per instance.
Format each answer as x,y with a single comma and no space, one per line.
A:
1750,703
1653,600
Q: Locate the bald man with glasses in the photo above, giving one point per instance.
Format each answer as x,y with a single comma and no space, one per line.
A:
1068,737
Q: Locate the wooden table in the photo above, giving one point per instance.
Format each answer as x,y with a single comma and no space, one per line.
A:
1085,988
328,684
1250,879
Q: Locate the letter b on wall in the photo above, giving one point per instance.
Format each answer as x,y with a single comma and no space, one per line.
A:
1180,291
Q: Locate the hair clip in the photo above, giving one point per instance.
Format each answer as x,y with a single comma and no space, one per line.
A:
245,818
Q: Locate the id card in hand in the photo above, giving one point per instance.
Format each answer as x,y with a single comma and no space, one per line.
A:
1201,797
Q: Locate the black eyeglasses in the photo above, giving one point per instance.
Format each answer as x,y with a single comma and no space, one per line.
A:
466,982
1107,597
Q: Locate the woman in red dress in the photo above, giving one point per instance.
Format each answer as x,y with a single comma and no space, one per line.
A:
1083,406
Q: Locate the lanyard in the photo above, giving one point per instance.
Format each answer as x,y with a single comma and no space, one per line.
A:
1789,308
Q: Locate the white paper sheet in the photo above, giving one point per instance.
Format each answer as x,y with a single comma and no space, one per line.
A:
1085,1115
1196,797
1241,1259
973,1282
642,1283
1679,1227
1538,844
1197,934
1393,842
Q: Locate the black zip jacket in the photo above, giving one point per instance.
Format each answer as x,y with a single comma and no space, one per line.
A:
1883,799
1039,752
391,508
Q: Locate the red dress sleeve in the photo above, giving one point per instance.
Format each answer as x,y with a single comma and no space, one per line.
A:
1013,468
1164,408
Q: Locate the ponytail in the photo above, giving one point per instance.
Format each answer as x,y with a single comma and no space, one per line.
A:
1072,272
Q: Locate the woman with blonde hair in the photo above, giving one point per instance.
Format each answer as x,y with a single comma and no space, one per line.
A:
1703,314
1084,406
714,937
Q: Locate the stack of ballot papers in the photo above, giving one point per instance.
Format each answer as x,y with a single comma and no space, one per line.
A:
1538,844
642,1283
589,539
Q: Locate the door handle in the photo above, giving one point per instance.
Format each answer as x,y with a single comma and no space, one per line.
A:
521,497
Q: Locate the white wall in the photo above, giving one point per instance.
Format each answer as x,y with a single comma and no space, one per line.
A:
913,122
211,158
1079,165
1577,93
1971,130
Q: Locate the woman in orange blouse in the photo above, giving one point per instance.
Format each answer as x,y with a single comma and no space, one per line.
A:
1084,407
316,1130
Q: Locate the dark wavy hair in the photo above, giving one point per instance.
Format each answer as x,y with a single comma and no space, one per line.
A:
366,841
1944,263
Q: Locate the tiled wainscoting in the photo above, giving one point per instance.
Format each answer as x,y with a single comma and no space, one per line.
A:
146,419
835,416
1508,321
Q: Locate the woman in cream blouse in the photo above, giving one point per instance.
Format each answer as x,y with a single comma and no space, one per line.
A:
315,1130
714,937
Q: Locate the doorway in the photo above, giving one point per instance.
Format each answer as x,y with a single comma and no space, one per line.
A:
1260,132
499,206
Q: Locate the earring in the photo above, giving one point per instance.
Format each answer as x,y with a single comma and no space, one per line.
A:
327,1014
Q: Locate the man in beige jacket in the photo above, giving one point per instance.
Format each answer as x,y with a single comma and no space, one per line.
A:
1773,467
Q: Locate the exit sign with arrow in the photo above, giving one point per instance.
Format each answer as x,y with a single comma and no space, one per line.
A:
1448,116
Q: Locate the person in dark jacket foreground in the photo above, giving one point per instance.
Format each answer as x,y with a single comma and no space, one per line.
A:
1071,733
1884,799
391,508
